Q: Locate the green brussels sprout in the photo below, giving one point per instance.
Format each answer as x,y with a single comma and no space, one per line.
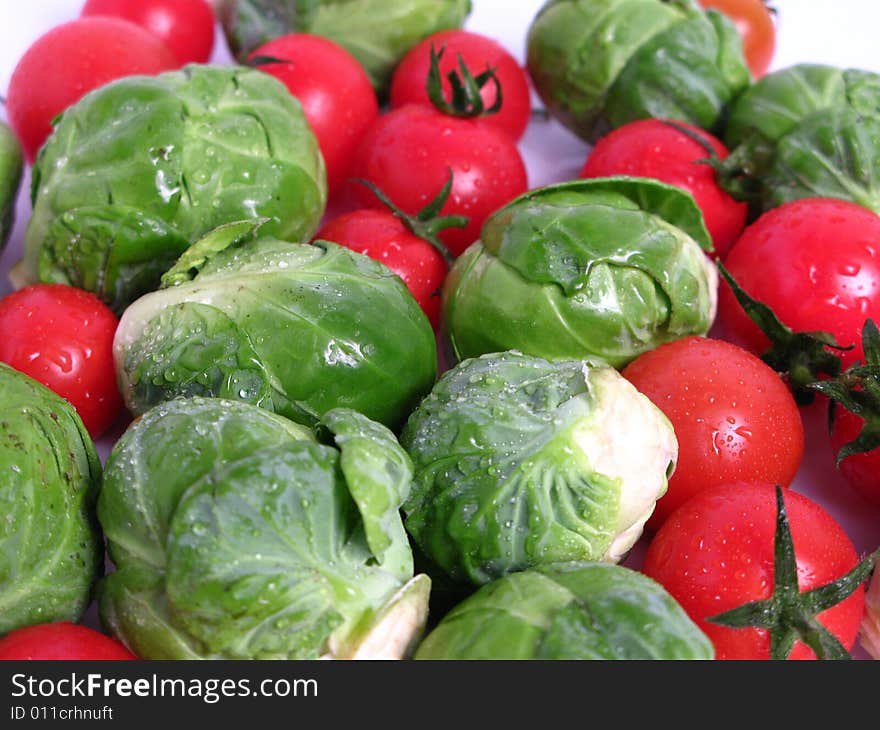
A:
607,268
10,180
568,611
50,547
598,64
521,462
239,534
809,130
140,168
377,33
295,328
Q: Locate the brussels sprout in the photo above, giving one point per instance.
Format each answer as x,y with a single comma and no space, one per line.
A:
10,180
568,611
377,33
239,534
50,548
295,328
598,64
809,130
608,268
140,168
521,462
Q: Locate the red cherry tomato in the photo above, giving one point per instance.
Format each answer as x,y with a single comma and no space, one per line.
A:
754,21
656,149
61,641
62,337
409,153
70,60
336,94
479,52
185,26
382,236
715,553
734,417
816,263
861,471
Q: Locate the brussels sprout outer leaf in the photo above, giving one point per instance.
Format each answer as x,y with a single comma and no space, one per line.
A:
219,239
595,268
11,165
134,608
195,349
830,155
248,554
249,547
776,103
568,611
50,551
141,167
169,448
576,49
375,32
379,475
809,130
511,470
690,72
296,328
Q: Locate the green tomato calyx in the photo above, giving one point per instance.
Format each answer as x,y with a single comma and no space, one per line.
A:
858,390
801,357
427,223
467,100
790,614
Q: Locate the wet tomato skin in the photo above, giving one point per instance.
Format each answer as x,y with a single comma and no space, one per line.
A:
754,22
816,263
62,337
861,471
71,59
185,26
715,553
382,236
479,52
733,416
409,154
337,97
656,149
64,641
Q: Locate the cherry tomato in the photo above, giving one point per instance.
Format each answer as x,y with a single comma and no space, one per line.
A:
656,149
336,94
70,60
62,337
754,21
61,641
382,236
479,52
409,154
734,417
185,26
816,263
715,553
861,471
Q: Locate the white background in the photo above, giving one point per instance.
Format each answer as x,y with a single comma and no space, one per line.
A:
838,32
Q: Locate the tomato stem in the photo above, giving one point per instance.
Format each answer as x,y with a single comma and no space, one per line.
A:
801,357
428,222
467,100
790,615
